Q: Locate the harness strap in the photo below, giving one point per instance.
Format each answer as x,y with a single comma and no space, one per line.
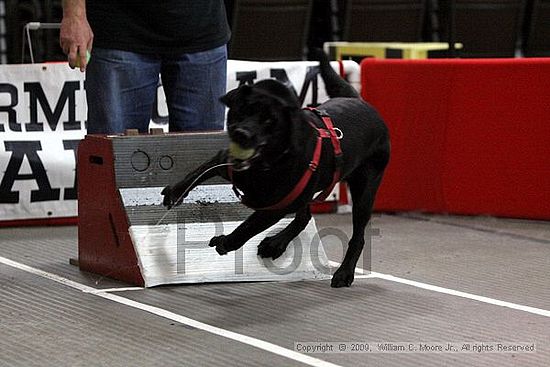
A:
331,134
301,185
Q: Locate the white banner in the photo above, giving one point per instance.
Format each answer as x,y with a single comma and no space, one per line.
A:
43,117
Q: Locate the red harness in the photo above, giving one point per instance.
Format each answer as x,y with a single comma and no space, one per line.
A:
326,132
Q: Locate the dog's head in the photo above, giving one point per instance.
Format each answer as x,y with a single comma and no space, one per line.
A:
261,122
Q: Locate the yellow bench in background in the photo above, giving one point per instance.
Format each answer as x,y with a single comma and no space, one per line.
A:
385,50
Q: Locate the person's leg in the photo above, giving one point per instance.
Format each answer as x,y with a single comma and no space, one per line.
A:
120,90
193,84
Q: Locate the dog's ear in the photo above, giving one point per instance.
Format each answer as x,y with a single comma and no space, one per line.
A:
234,95
297,133
278,92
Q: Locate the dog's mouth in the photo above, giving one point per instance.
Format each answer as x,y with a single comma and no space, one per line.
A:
242,158
237,152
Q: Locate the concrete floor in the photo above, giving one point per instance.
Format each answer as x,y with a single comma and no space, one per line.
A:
466,281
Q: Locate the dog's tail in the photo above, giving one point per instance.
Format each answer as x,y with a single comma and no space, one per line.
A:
334,84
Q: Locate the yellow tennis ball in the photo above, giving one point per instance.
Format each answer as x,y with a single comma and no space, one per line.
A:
238,152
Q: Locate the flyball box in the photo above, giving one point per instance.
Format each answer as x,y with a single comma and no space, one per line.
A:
125,232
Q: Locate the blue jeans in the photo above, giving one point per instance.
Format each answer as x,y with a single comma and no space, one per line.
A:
121,88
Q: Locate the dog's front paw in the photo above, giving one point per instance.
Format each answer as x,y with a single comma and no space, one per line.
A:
342,278
167,201
219,243
272,247
223,244
171,198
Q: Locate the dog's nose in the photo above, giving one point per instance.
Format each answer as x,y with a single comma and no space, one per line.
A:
242,136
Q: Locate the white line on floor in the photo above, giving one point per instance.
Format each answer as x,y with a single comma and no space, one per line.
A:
257,343
365,274
111,290
452,292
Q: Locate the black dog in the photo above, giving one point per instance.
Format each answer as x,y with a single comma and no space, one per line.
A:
282,156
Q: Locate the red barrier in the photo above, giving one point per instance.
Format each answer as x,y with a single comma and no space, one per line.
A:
104,244
468,136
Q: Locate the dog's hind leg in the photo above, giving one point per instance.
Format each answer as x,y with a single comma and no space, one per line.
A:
363,186
256,223
276,245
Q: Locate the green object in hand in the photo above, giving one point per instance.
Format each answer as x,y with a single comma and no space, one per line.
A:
77,62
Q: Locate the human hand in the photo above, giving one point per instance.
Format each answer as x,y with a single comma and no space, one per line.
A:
76,36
